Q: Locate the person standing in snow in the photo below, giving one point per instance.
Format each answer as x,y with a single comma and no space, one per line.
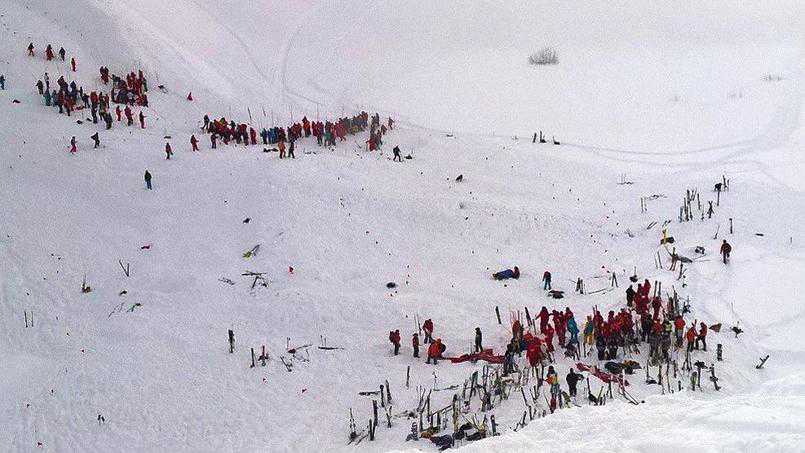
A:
726,248
147,179
142,120
3,83
552,379
96,139
572,379
72,63
427,327
397,156
281,147
702,337
73,148
394,338
415,344
31,50
194,142
478,340
691,337
168,151
62,53
546,280
290,149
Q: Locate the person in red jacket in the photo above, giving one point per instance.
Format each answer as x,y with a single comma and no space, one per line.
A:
194,142
679,330
129,116
394,338
702,337
49,52
549,337
73,148
517,329
415,344
560,326
118,112
543,319
253,135
435,351
691,337
427,327
168,151
533,353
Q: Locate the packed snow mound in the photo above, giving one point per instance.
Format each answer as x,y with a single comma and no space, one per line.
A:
665,97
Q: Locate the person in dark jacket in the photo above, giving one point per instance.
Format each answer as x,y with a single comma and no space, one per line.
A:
630,293
415,344
478,340
507,274
573,379
394,338
147,180
726,248
546,280
96,139
397,156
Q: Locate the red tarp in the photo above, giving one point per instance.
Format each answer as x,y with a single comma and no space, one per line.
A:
604,376
486,354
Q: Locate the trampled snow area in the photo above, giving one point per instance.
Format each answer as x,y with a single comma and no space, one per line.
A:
669,97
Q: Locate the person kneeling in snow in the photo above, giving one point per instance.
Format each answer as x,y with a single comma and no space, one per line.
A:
507,274
435,351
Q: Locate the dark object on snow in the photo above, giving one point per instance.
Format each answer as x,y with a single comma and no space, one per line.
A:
699,364
409,157
555,142
629,366
614,367
699,249
247,220
716,328
460,178
556,294
759,234
685,259
633,279
391,285
717,187
762,362
443,442
737,331
507,274
15,101
668,240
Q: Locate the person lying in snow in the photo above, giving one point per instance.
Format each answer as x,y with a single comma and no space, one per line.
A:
507,274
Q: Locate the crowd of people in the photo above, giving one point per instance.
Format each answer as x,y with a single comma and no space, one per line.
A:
614,336
327,133
69,97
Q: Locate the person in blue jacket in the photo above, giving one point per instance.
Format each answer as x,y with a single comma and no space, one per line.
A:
507,274
573,329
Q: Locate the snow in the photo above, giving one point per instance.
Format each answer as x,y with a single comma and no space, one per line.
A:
668,96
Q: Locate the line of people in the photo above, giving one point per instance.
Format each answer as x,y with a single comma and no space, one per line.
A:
50,55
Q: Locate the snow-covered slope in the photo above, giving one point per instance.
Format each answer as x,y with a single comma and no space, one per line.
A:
669,97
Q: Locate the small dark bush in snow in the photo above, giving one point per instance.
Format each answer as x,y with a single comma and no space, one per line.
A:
546,55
